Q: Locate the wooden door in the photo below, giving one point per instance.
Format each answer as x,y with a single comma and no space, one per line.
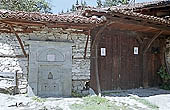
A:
120,68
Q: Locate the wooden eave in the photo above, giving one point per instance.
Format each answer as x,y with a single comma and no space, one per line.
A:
26,26
139,25
152,7
125,22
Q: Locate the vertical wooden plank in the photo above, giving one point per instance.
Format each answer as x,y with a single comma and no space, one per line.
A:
97,73
115,46
105,63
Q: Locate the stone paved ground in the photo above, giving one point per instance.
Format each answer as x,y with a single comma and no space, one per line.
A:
135,99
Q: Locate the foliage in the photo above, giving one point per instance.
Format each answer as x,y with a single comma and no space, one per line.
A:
38,99
145,102
77,2
83,4
97,103
73,8
75,94
165,76
26,5
99,3
125,1
109,3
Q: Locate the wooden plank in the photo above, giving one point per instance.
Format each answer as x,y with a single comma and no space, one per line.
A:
105,62
7,31
97,73
19,22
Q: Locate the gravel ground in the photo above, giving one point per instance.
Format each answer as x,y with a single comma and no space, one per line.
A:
133,98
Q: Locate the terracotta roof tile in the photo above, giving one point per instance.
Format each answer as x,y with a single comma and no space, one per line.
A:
151,4
34,16
78,16
130,13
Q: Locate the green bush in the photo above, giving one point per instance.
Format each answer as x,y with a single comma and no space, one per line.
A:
165,76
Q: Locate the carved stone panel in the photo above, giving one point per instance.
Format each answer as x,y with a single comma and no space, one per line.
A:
50,68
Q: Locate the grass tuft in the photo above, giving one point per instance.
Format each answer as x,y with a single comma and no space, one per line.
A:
38,99
145,102
97,103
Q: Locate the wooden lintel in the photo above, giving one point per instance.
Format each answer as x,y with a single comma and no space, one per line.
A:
151,41
121,20
85,50
19,40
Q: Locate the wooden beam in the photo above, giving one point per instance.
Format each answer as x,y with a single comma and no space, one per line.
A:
85,50
121,20
125,19
6,31
152,40
19,22
19,40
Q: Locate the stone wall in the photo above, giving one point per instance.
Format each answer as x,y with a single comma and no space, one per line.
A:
168,51
9,46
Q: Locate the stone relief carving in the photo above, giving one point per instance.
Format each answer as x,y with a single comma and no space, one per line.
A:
52,55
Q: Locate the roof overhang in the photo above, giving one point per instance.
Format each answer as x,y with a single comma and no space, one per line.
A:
26,22
128,20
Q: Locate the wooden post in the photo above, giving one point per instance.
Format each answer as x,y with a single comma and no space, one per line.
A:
16,83
145,59
145,71
97,73
85,50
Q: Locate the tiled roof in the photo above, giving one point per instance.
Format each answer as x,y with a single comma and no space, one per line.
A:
129,13
79,18
38,17
150,4
142,16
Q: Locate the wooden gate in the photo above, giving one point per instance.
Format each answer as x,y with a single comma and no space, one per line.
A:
121,68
